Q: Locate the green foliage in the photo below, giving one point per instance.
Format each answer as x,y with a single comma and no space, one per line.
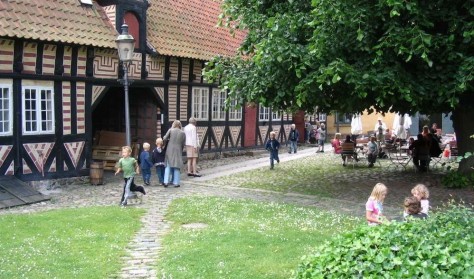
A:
441,246
68,243
454,179
351,55
242,238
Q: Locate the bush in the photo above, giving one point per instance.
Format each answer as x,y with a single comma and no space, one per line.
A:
441,246
454,179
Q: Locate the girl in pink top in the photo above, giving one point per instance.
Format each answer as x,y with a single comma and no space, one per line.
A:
374,205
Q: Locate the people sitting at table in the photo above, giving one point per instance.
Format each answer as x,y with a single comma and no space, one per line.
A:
372,151
348,150
421,153
389,136
336,144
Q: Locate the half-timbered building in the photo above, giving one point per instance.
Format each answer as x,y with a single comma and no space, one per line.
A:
60,81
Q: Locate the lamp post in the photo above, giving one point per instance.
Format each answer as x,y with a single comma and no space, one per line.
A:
125,46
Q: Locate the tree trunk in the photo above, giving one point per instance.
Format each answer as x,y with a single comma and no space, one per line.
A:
463,124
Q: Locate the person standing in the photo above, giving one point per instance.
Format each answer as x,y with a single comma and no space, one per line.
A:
322,137
308,129
145,163
158,160
273,146
379,130
293,138
192,146
175,140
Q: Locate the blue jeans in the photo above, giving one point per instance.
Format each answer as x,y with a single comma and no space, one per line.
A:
176,175
273,156
146,174
160,173
293,146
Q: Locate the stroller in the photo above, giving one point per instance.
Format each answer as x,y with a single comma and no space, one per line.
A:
131,195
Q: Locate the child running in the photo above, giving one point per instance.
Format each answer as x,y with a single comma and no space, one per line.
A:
273,145
374,206
128,165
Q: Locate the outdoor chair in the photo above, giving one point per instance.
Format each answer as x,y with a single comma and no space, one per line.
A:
397,157
349,153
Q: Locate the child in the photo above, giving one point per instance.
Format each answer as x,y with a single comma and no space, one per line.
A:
128,165
420,191
158,160
293,139
145,163
273,145
413,209
374,206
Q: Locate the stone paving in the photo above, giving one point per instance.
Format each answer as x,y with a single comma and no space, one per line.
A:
143,251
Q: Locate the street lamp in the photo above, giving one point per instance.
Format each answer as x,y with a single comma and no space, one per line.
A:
125,46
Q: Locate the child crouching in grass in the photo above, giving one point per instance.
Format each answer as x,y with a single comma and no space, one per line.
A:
273,145
128,165
374,205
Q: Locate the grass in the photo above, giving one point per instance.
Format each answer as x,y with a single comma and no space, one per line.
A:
243,239
322,175
67,243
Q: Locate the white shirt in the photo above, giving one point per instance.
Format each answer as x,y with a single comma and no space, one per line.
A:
191,135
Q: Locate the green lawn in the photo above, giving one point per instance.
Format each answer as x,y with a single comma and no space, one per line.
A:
66,243
243,239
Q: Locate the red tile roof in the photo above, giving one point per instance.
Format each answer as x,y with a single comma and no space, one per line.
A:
64,21
182,28
187,28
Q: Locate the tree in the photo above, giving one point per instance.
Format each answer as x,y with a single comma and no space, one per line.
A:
354,55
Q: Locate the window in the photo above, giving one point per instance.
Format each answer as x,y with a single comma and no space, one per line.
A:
322,117
200,103
276,115
264,114
218,104
6,110
38,110
343,118
234,112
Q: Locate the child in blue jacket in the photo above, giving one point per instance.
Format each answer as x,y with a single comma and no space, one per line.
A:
273,145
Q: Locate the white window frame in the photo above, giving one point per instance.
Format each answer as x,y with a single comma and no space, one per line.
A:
264,113
200,105
276,115
234,112
218,104
6,110
41,113
322,117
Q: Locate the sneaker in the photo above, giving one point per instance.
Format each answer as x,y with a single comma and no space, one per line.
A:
147,183
176,186
278,161
190,174
196,175
165,185
123,203
343,165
